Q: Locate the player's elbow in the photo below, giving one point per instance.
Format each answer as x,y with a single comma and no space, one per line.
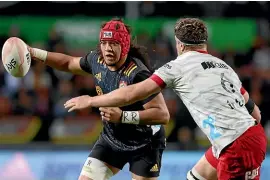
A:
165,116
258,118
256,114
73,66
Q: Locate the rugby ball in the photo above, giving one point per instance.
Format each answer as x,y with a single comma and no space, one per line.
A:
16,57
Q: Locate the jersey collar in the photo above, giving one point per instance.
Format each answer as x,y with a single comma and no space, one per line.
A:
202,51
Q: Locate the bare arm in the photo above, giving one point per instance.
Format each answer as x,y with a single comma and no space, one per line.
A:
126,95
59,61
156,112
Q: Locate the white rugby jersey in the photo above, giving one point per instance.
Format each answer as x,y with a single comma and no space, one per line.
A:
210,89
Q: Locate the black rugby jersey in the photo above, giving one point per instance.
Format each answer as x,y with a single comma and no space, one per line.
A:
123,137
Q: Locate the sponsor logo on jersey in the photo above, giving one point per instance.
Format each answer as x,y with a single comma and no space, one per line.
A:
154,168
89,162
98,76
211,64
209,123
100,60
99,90
168,66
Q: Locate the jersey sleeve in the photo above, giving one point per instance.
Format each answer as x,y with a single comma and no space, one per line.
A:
87,61
164,76
141,76
243,90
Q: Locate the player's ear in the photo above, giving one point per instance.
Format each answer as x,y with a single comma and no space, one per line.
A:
180,47
183,46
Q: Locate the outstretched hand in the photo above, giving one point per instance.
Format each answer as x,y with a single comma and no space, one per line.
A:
78,103
31,51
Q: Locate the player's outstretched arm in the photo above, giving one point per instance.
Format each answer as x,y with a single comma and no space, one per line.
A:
117,98
127,95
58,61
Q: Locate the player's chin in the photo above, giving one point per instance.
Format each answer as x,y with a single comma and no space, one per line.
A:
110,62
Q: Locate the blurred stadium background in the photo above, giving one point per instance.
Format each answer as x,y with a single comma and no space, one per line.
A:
39,140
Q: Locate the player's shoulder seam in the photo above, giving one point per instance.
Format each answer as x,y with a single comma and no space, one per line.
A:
97,57
171,62
131,67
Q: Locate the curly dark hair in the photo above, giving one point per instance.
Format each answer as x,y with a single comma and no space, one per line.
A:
136,51
191,31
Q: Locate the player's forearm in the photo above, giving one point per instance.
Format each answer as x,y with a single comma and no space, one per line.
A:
256,114
252,108
117,98
154,116
126,95
55,60
113,99
58,61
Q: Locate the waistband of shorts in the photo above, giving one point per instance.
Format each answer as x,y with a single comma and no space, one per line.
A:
252,130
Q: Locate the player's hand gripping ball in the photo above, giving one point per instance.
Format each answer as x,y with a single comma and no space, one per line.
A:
16,57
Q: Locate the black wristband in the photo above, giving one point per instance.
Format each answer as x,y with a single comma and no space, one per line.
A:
250,105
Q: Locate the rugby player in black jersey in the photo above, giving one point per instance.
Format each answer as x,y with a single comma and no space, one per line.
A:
132,134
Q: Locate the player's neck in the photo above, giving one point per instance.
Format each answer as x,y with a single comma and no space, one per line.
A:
201,50
118,65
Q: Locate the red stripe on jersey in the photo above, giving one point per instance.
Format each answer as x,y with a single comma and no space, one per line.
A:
158,80
243,91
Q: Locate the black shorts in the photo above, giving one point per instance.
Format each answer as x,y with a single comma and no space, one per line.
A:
146,163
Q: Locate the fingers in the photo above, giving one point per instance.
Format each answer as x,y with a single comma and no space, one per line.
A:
107,115
104,109
70,101
72,109
105,118
69,105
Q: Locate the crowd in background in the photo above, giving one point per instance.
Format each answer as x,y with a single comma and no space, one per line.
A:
44,90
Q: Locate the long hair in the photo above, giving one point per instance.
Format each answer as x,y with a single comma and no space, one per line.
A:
136,51
140,52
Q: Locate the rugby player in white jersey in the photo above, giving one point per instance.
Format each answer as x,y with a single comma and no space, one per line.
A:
210,89
206,167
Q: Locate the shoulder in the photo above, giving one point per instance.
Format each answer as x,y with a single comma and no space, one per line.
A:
139,63
166,74
92,55
134,67
89,61
171,66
